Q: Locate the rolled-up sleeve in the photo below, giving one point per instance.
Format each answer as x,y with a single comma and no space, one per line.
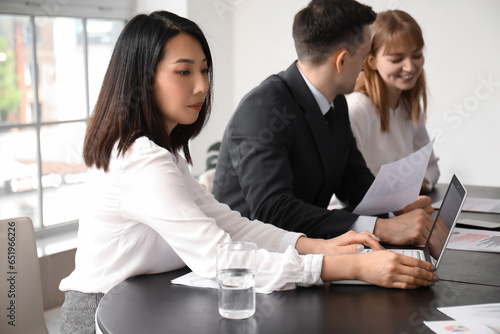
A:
293,270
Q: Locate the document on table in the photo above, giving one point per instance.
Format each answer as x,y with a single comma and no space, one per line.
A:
191,279
471,319
478,311
478,204
479,223
469,326
475,240
397,184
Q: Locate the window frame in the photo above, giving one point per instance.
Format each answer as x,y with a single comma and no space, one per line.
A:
62,228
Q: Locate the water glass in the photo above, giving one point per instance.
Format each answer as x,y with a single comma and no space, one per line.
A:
236,278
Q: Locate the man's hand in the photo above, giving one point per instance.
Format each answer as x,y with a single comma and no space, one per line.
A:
422,202
426,186
410,228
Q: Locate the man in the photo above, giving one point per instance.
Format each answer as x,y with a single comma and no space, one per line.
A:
283,157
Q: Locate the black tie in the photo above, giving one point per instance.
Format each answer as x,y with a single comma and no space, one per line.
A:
329,116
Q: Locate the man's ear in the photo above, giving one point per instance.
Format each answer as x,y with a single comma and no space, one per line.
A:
372,62
339,59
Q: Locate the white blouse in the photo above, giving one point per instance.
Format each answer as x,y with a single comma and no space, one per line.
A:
379,148
148,215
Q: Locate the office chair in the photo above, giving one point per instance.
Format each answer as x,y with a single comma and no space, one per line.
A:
21,301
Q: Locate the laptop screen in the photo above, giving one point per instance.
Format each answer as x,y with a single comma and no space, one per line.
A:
446,219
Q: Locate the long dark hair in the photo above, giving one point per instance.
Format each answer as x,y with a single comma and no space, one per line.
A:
125,109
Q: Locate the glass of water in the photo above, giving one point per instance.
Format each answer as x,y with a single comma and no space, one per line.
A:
236,278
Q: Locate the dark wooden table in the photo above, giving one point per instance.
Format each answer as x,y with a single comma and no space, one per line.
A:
151,304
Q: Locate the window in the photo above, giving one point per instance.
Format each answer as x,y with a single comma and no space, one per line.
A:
51,69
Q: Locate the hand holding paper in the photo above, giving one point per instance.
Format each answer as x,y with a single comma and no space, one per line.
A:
397,184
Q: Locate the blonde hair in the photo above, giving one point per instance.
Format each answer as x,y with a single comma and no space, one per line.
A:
394,29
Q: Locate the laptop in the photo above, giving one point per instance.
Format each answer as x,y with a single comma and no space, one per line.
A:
451,207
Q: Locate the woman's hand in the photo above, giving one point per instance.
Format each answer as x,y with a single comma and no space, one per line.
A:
393,270
383,268
348,243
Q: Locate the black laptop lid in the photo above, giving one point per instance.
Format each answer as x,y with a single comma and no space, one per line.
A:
445,221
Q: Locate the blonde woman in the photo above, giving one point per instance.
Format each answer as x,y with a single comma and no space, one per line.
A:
389,106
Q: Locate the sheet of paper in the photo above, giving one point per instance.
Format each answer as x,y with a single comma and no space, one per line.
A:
475,240
397,184
477,311
479,223
491,326
191,279
477,204
471,319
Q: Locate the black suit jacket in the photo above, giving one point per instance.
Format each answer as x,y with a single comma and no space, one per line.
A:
280,160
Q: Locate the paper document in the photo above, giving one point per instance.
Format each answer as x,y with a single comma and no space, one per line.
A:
471,319
397,184
484,326
191,279
475,240
478,311
479,223
478,204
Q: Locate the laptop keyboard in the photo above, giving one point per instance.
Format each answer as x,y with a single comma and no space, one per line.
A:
408,252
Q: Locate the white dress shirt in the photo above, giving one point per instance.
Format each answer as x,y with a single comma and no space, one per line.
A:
363,223
148,215
379,148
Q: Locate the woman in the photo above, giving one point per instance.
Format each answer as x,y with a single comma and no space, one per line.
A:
389,106
144,213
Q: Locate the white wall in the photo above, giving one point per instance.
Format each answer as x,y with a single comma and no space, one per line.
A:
253,40
214,18
178,7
